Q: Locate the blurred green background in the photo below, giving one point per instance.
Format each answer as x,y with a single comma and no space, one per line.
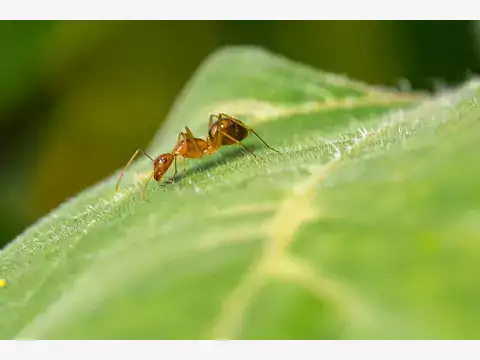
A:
78,97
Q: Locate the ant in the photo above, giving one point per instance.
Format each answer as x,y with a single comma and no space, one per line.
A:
225,131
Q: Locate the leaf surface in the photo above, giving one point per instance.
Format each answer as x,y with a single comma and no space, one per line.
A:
365,225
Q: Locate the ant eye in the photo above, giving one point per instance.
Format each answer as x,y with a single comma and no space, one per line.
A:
164,160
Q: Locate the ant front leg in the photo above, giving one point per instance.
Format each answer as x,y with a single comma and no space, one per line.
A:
184,172
185,139
172,179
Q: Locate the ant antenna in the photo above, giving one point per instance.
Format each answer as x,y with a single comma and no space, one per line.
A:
128,164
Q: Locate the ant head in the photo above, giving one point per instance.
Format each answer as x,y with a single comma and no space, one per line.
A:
161,164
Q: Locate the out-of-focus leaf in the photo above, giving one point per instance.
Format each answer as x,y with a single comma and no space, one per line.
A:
20,55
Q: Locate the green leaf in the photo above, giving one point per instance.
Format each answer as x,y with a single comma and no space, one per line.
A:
364,226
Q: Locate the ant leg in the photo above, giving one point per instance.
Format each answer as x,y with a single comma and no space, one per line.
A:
175,173
128,164
144,191
238,142
218,137
212,141
171,180
210,120
185,139
238,122
184,172
189,133
184,135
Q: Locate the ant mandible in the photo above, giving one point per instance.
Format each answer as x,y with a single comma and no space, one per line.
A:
225,131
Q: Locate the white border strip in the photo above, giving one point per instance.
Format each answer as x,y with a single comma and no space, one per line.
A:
245,9
241,350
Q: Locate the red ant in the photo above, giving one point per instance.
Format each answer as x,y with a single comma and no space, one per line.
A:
225,131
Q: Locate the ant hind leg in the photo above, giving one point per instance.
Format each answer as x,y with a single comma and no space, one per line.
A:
248,128
237,142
